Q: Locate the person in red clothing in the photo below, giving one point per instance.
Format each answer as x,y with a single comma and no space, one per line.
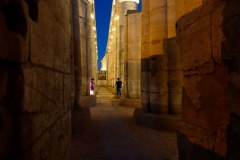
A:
92,87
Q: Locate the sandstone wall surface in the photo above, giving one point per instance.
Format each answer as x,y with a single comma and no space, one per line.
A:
203,36
132,55
37,92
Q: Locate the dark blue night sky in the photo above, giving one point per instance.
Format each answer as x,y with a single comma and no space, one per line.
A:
103,12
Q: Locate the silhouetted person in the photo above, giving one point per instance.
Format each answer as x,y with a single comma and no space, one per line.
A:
119,88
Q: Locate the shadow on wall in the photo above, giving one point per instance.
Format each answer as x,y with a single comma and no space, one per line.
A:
11,96
212,95
161,80
15,130
231,56
15,17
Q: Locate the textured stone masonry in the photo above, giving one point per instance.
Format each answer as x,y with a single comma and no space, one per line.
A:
38,86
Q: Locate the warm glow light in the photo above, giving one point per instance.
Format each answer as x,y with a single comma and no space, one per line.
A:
94,28
116,18
114,29
92,16
111,37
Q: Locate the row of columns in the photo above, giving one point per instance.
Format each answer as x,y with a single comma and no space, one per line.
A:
151,39
85,48
114,57
158,25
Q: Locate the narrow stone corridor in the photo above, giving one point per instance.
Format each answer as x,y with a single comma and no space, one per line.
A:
112,135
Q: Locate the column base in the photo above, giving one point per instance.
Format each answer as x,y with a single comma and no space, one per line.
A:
88,101
135,103
156,121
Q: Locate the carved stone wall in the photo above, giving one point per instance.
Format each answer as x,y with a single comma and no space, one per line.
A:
207,36
37,85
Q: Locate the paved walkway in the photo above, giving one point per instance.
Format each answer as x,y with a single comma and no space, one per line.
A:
112,135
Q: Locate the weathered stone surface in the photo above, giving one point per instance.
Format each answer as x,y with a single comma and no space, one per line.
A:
144,74
44,91
82,10
159,102
217,34
62,13
175,103
13,46
158,80
44,147
48,96
161,122
37,79
183,7
50,42
145,53
87,101
171,18
195,52
206,83
175,77
135,103
145,101
203,106
213,140
175,80
68,91
189,150
132,55
174,57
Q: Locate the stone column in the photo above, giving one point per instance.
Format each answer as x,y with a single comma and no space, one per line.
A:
145,47
76,51
171,18
83,45
132,55
89,46
93,52
125,5
86,47
125,91
158,57
175,77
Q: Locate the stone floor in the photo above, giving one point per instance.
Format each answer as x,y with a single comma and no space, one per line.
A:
113,135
